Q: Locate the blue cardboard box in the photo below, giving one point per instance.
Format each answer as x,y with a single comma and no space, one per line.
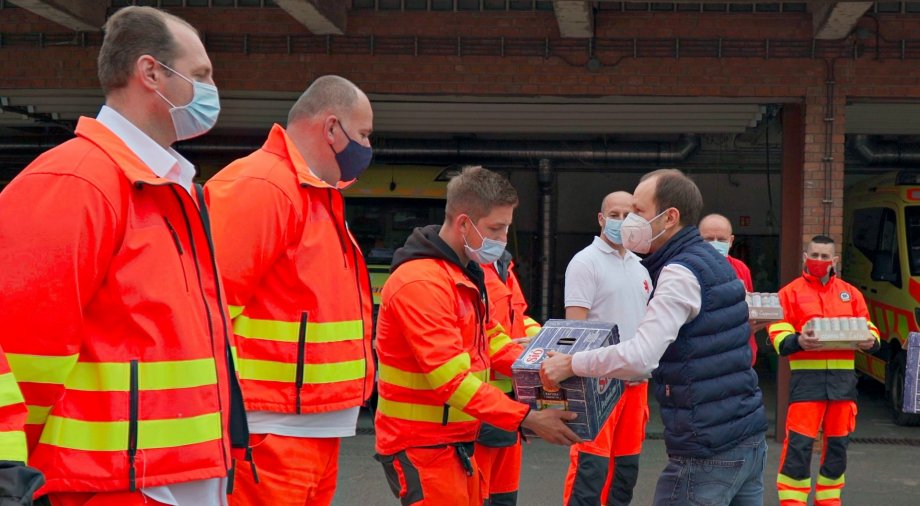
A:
591,398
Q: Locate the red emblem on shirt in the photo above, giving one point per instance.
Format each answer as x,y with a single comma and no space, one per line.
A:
645,285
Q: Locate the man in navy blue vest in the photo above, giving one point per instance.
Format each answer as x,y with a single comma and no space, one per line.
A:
694,341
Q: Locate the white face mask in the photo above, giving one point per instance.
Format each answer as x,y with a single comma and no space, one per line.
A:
490,250
637,233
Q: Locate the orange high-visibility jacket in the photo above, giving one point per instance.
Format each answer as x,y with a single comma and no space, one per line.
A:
818,374
434,356
509,309
113,320
12,416
296,280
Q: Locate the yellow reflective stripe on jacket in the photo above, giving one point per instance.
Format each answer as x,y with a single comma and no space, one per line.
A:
9,390
269,370
113,436
13,446
449,370
37,414
495,330
420,412
465,392
289,332
531,327
41,368
235,311
116,376
503,384
873,330
497,343
825,364
779,332
412,380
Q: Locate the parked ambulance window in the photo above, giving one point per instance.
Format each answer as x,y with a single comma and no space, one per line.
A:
866,230
381,226
886,264
912,219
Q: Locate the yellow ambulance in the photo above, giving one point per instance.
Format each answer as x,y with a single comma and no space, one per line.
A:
881,257
386,204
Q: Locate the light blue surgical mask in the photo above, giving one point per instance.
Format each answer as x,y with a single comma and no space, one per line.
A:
199,115
612,230
721,246
490,251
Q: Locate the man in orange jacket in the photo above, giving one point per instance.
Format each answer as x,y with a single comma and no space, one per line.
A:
498,451
435,346
113,316
299,292
823,392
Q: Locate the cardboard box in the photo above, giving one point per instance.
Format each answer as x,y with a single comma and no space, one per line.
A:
591,398
764,306
844,333
912,375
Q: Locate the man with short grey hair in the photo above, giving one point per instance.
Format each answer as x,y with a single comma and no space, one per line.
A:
299,292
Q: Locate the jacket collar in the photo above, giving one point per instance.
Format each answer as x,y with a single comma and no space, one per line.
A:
133,167
280,143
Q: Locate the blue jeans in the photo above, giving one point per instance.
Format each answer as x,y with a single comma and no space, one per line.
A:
734,477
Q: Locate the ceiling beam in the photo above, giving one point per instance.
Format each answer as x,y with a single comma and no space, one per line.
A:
834,20
321,17
575,18
78,15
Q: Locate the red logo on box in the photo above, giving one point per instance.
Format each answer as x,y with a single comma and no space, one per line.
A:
534,356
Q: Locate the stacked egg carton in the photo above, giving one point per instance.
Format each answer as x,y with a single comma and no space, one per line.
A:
843,332
764,306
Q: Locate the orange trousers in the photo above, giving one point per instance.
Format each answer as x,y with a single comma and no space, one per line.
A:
101,499
793,482
604,471
293,471
501,472
433,477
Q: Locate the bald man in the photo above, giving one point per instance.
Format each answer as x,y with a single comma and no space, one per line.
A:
605,282
717,231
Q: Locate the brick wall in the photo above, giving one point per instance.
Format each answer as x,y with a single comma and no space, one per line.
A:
664,67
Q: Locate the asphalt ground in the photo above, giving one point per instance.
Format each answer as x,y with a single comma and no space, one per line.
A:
883,468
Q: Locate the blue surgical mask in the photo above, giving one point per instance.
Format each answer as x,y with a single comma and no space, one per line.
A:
721,246
490,251
354,159
612,230
198,116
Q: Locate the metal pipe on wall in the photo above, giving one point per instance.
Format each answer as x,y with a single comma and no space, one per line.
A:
547,183
889,153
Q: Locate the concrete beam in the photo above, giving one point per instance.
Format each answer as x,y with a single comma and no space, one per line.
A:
78,15
321,17
834,20
575,18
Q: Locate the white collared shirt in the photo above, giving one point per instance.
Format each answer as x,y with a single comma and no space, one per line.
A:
613,287
677,300
168,164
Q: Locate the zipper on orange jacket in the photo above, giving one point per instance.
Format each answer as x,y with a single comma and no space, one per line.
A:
175,236
133,401
301,357
204,299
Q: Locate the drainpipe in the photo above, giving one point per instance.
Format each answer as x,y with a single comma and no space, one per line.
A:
547,182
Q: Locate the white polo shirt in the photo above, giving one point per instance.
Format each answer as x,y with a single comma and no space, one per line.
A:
613,287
